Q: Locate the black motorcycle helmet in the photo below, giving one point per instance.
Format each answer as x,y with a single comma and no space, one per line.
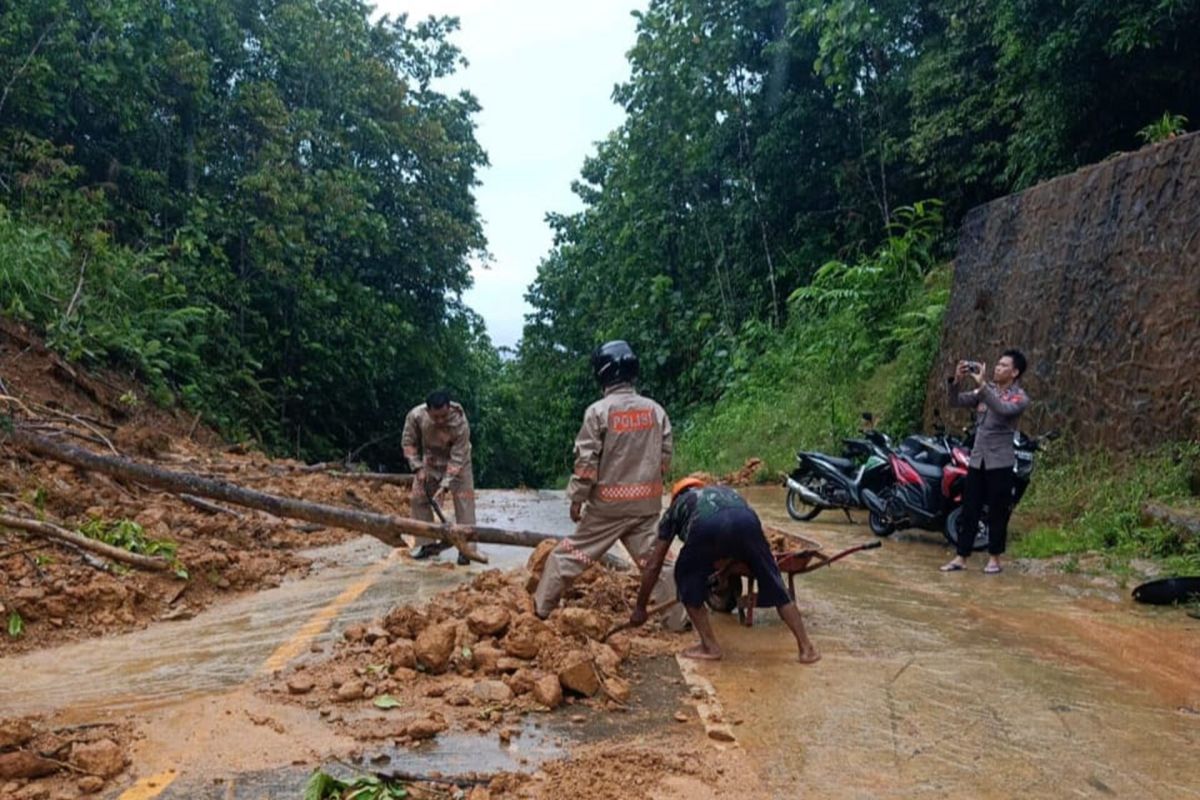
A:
614,362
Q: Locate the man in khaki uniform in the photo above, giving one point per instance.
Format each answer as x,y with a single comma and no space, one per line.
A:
622,452
437,444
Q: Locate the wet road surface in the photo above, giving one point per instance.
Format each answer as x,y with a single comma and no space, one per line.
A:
961,684
931,685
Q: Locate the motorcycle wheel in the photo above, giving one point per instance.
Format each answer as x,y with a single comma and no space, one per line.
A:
951,531
800,509
878,526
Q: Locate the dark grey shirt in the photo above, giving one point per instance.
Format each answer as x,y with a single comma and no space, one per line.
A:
995,422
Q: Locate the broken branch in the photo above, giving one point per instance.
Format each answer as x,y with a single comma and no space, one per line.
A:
71,538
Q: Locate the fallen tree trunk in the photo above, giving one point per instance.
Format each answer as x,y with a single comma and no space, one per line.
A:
386,528
55,533
394,478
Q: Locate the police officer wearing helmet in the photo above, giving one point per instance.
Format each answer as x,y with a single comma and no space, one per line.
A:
622,452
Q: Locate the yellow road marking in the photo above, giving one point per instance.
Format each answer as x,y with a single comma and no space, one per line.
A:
320,621
153,786
150,787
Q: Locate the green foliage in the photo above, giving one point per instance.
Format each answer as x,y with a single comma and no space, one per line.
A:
16,625
262,207
1092,501
323,786
1168,126
861,337
127,535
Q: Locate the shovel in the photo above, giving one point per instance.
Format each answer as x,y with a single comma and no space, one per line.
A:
465,550
655,611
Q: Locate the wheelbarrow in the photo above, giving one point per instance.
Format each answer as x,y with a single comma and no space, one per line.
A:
725,585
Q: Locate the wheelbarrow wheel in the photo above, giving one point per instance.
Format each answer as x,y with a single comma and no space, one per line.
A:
723,595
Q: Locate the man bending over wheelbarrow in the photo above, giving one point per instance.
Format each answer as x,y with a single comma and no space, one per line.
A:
715,524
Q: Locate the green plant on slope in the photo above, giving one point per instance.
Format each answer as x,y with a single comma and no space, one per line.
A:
1168,126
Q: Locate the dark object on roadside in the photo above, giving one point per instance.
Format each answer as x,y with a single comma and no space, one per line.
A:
1168,591
427,550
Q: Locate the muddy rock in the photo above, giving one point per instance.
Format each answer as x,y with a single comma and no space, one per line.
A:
479,793
354,633
404,622
522,639
487,658
578,674
537,563
103,758
617,689
425,728
23,764
489,620
522,680
582,622
608,661
90,784
435,645
374,633
402,654
492,692
510,664
14,733
350,691
300,684
547,691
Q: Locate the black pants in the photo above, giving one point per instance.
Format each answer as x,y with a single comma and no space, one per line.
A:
993,488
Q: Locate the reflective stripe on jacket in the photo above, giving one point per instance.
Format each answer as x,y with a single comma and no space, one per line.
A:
621,454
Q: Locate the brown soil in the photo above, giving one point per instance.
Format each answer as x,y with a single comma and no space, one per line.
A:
61,595
477,658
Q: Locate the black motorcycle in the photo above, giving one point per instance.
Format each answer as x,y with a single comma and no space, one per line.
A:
822,481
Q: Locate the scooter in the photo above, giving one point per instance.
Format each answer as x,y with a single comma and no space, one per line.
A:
927,496
822,481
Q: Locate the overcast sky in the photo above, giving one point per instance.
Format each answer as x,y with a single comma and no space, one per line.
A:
544,71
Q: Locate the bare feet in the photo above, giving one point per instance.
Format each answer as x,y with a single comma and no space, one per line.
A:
809,656
701,653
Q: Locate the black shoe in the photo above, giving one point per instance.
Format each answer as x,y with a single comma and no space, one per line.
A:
463,560
427,550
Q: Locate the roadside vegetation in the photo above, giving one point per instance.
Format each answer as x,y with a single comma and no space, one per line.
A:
265,212
1086,504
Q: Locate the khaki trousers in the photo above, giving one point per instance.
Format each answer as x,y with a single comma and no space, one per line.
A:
593,537
462,490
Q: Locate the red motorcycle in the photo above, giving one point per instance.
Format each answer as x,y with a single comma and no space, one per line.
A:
928,495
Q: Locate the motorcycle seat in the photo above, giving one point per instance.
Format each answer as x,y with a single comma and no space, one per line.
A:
838,463
926,470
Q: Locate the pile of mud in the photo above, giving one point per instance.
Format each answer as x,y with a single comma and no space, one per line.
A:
74,760
476,658
50,594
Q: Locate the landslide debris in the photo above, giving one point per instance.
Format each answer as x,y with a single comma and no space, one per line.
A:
477,658
50,593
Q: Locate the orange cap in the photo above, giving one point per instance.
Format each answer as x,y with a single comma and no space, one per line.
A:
684,484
